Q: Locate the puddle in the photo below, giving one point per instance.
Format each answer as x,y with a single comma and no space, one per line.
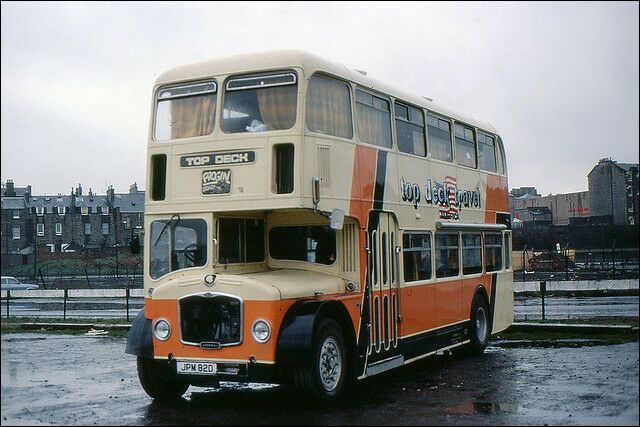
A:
480,407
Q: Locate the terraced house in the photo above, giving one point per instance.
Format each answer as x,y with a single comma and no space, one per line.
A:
65,223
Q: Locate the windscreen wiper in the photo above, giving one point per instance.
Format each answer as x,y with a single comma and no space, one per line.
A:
168,223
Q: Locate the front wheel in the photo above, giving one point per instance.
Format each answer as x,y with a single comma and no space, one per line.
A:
159,380
324,376
480,325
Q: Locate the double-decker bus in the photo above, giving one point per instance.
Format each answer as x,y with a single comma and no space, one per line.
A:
307,224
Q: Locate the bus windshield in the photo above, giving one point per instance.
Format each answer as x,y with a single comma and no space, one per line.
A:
177,244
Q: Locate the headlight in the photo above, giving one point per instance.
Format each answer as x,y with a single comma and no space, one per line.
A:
261,331
162,330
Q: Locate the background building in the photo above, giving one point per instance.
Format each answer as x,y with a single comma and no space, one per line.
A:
612,198
66,223
604,218
614,191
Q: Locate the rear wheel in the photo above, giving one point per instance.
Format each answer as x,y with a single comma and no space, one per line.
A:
159,380
324,376
480,325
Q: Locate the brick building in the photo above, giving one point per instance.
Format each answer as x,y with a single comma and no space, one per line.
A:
62,223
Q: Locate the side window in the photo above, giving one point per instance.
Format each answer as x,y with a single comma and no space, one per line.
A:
471,253
329,107
507,250
486,152
493,251
465,146
416,256
410,130
374,119
439,138
447,249
502,169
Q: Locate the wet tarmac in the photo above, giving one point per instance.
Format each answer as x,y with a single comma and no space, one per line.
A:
82,380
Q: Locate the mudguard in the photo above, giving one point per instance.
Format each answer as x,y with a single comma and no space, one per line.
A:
296,333
140,338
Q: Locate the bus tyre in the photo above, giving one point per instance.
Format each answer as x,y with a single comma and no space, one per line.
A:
480,325
324,376
159,380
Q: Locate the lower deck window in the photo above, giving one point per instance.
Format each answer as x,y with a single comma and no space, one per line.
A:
417,256
241,240
493,251
447,248
315,244
471,253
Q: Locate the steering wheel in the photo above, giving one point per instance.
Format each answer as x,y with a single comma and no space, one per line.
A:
190,252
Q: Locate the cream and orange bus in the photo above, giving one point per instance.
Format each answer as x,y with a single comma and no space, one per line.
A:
307,224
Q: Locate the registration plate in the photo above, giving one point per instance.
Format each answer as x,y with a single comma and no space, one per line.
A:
196,368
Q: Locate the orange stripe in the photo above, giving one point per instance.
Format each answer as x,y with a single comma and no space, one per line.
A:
497,197
362,190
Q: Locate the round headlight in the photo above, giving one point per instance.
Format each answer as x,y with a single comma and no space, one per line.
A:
261,331
162,330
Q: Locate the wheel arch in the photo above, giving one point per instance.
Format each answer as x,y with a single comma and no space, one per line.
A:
298,328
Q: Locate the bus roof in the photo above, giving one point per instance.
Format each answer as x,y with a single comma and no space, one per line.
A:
282,59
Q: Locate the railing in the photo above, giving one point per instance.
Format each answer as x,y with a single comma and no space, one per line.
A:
73,303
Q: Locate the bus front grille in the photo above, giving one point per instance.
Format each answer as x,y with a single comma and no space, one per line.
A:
211,320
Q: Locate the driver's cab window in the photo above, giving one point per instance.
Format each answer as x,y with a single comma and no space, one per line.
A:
177,244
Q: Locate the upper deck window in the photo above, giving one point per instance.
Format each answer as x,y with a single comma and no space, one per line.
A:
465,146
410,130
374,119
439,138
260,103
486,152
329,107
185,111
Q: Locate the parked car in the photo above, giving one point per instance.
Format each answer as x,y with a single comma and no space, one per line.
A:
12,284
549,262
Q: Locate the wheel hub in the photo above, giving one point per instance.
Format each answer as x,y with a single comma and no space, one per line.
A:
330,364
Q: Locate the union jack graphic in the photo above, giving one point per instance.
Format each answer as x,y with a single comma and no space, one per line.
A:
451,186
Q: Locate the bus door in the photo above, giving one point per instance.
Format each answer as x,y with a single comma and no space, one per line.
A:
385,304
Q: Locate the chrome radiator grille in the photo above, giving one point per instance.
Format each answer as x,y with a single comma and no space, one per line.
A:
211,320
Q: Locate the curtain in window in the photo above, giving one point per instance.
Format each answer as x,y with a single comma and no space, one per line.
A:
278,106
329,107
192,116
374,126
440,144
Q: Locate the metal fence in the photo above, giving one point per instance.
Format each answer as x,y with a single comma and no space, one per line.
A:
73,303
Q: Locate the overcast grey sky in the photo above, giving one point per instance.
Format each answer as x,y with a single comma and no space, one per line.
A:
559,80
